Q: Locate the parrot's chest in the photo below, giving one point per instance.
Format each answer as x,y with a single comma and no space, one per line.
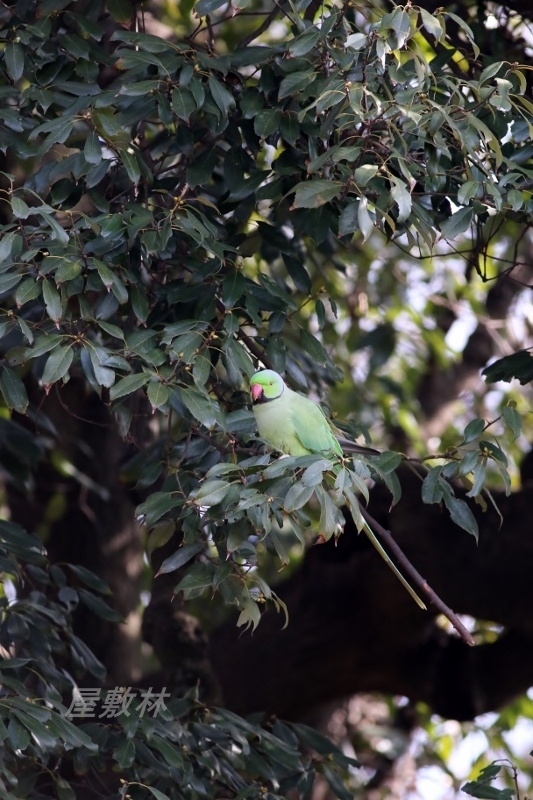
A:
276,427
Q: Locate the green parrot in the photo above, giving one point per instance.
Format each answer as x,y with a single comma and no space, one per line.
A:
296,426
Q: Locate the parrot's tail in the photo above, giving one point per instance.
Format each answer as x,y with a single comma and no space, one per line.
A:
377,544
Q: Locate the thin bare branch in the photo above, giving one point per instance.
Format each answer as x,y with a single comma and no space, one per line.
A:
403,563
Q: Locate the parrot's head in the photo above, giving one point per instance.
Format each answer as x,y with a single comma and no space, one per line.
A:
266,385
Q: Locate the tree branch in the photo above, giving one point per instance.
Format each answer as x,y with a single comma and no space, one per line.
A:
405,566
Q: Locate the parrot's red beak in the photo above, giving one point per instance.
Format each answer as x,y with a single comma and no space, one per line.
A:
256,392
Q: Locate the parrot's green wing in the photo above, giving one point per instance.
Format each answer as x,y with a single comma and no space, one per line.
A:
312,427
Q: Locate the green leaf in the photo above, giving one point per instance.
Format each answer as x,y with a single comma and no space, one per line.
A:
365,173
364,220
473,430
160,535
336,784
202,408
52,301
112,330
198,578
107,276
493,451
92,149
457,223
211,493
180,558
99,606
58,232
356,41
130,163
44,344
103,375
518,365
315,349
483,791
303,43
297,496
19,736
432,24
157,504
314,473
67,270
121,10
28,290
13,390
222,96
201,169
387,462
330,516
267,122
402,197
8,281
467,191
128,385
20,209
158,394
156,792
315,193
14,59
89,578
432,491
57,365
294,82
124,754
461,514
513,420
183,102
479,474
205,7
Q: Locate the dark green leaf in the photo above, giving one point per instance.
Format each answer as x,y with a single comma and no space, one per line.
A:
518,365
315,193
315,349
158,394
198,578
180,557
128,385
297,496
158,504
473,430
52,301
211,493
513,420
14,58
457,223
294,82
13,390
222,96
432,491
183,102
57,365
461,514
202,408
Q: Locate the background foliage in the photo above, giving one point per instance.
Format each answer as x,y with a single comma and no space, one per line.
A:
323,190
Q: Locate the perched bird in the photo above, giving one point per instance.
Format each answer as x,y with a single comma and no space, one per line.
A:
296,426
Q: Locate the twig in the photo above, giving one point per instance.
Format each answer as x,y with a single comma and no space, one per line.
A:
261,29
403,563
